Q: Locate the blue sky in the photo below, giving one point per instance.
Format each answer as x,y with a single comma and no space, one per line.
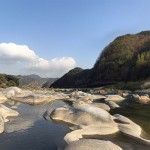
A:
77,29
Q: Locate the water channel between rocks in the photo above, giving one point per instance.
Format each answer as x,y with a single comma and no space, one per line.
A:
30,131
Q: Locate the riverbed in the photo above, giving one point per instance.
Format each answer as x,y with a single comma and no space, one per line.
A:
30,131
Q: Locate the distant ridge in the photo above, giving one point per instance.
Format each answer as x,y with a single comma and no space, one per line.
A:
34,80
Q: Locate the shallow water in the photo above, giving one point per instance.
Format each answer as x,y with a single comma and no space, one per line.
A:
30,131
140,114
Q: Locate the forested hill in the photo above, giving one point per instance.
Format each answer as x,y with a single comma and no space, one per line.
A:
127,58
8,80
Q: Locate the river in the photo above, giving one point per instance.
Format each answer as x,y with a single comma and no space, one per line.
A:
30,131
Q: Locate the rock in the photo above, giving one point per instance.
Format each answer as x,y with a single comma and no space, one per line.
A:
5,112
80,94
112,104
100,105
41,98
97,105
3,98
12,92
1,124
90,121
103,92
115,98
92,144
130,128
143,99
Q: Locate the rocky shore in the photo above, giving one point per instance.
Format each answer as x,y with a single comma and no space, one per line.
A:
87,113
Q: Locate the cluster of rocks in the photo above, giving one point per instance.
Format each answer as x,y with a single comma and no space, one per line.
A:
89,115
14,95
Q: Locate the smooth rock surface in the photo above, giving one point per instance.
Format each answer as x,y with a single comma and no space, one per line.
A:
112,104
115,98
5,112
12,92
3,98
92,144
130,128
89,121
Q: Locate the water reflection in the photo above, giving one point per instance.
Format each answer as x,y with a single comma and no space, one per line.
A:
29,131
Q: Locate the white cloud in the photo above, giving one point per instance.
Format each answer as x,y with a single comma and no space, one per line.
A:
22,60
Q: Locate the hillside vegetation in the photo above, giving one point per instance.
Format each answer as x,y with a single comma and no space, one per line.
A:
8,80
125,59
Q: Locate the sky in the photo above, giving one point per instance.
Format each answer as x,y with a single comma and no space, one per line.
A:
50,37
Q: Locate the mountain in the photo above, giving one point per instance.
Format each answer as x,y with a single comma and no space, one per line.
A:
127,58
34,80
8,80
74,78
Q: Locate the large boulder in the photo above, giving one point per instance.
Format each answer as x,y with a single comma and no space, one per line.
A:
92,144
88,120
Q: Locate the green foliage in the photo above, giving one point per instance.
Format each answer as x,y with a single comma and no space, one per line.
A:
11,83
8,80
126,59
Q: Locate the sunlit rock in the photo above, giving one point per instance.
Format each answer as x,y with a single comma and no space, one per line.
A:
90,121
112,104
41,98
3,98
114,98
97,105
92,144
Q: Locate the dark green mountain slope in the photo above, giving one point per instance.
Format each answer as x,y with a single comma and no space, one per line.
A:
127,58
